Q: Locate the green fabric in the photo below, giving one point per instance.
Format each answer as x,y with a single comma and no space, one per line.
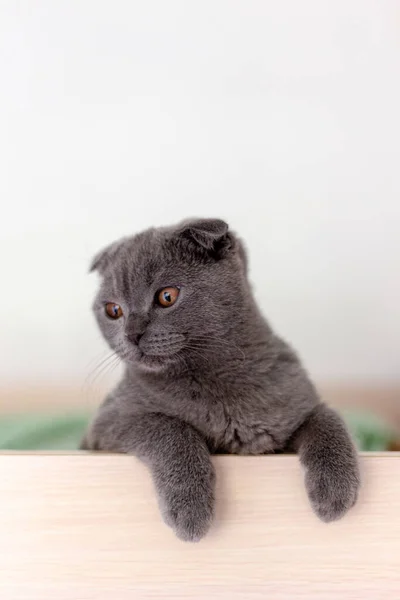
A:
370,432
64,432
42,432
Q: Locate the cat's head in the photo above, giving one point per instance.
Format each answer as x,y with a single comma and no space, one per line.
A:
171,296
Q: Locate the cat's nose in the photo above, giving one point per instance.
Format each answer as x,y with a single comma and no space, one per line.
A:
133,337
135,328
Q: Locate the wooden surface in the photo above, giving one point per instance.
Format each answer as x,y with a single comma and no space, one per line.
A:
87,527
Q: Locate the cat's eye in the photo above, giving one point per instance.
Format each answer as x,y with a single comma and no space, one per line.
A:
167,296
114,311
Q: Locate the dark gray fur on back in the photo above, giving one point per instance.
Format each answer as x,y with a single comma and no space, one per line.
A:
207,375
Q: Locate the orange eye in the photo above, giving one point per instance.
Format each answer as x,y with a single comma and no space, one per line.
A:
114,311
167,296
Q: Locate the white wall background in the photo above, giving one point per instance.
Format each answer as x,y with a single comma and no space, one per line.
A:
281,117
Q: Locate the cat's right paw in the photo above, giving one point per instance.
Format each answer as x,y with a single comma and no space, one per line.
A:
332,490
189,512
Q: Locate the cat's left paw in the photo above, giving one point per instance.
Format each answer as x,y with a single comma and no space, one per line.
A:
189,514
332,489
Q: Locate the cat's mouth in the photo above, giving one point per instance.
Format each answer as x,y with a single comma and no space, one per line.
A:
153,362
155,353
159,351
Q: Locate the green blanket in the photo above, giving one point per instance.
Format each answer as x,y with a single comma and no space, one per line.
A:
42,432
64,432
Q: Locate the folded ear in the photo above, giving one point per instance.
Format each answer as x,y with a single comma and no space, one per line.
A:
103,258
212,235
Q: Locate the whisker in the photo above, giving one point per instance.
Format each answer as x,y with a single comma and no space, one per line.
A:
212,340
196,351
110,367
101,369
214,344
210,352
97,358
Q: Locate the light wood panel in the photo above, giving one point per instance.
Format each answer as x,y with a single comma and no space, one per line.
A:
87,527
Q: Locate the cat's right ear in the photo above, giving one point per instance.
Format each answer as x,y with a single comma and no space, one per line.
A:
103,258
211,235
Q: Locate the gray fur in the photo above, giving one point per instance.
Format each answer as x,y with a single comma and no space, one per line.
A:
207,375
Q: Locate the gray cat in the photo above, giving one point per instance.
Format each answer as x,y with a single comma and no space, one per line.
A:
204,373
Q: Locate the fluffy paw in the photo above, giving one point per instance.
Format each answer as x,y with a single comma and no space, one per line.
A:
332,489
189,512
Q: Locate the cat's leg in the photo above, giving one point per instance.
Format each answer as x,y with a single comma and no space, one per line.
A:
330,460
178,458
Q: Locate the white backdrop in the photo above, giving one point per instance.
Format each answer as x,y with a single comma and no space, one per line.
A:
281,117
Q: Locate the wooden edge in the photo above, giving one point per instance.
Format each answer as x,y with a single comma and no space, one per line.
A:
96,454
81,525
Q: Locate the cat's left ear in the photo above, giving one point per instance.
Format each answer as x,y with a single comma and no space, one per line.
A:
103,258
212,235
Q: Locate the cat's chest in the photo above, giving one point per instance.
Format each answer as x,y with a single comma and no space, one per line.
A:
232,419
